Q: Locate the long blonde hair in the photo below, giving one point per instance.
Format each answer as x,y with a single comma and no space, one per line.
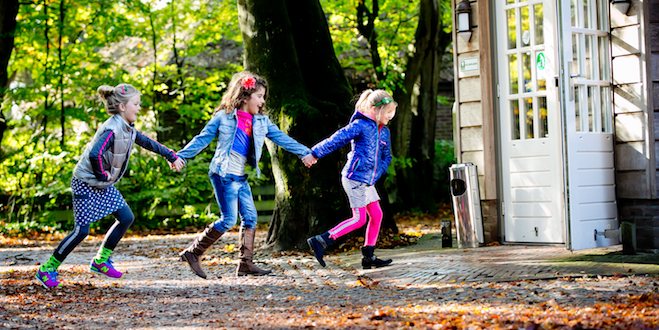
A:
243,84
379,98
113,96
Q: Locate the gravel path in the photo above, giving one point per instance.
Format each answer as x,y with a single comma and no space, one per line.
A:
159,291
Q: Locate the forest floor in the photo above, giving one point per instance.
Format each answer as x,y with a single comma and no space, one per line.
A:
159,291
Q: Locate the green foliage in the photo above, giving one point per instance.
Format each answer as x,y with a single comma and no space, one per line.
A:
444,158
395,26
57,65
181,55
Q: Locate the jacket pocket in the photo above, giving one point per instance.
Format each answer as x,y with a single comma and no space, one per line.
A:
260,132
226,129
355,165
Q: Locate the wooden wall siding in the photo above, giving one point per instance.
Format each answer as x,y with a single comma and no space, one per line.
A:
474,138
487,100
636,168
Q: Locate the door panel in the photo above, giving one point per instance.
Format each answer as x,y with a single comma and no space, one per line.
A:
585,76
530,122
532,194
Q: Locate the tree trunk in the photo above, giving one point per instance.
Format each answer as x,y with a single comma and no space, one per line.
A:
62,15
413,129
8,12
288,43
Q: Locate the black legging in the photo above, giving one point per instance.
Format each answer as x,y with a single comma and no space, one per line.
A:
124,218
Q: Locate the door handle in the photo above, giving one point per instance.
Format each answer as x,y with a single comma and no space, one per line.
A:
572,76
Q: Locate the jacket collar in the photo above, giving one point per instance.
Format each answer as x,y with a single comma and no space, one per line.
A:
234,114
125,126
358,115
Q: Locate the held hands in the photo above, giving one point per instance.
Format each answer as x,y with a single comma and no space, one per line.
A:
177,165
309,160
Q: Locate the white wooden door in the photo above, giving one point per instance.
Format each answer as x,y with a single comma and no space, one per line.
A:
531,143
586,99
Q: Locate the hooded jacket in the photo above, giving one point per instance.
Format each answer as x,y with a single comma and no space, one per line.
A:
370,153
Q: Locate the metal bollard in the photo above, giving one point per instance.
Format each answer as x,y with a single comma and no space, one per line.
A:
447,237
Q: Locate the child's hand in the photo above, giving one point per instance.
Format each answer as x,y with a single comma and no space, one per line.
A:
177,165
309,160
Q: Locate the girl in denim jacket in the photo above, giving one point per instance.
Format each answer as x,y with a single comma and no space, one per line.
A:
368,159
241,129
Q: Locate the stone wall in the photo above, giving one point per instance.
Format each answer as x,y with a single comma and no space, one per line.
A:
644,213
444,120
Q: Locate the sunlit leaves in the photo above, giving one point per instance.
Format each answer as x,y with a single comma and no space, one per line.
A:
395,26
105,42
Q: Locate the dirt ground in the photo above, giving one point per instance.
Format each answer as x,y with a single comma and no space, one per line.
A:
159,291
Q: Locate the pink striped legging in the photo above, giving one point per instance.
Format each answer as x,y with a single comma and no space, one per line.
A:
358,220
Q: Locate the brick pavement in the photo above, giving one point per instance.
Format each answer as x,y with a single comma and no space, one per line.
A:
424,265
428,264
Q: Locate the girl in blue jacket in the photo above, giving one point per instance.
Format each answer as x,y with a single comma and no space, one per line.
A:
102,164
368,159
241,129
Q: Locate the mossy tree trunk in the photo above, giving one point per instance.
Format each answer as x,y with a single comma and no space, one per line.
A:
8,12
288,43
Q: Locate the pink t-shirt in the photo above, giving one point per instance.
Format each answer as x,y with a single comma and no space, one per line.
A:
243,140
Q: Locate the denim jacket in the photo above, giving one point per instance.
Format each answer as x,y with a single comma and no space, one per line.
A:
224,127
370,153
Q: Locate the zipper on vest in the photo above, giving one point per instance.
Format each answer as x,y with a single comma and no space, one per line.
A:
377,148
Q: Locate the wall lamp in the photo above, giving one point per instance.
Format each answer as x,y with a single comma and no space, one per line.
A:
622,5
463,11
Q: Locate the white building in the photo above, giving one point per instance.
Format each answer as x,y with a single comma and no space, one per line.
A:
562,124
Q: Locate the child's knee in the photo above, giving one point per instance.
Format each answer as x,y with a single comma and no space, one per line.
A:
83,232
222,225
125,216
361,213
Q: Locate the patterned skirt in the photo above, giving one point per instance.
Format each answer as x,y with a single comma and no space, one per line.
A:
91,204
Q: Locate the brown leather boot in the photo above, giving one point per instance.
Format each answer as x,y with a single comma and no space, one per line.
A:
245,265
192,254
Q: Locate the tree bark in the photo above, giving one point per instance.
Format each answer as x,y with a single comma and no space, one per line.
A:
288,43
413,128
8,12
366,27
62,15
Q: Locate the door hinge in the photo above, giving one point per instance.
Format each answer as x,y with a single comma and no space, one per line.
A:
498,91
503,208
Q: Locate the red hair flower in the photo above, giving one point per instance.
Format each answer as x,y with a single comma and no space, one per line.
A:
248,82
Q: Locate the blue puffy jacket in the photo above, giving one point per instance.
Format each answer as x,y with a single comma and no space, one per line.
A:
371,148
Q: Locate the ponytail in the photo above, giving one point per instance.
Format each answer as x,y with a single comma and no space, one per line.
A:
113,96
378,98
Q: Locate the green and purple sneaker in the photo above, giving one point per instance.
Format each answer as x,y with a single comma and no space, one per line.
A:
48,278
105,268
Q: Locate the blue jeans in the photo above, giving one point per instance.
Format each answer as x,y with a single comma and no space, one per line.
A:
233,194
